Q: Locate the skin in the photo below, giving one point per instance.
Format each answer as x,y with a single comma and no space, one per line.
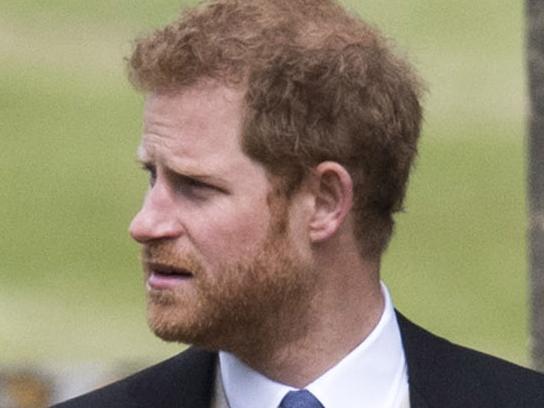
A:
291,301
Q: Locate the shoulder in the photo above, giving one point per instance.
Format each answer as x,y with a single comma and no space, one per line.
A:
183,380
449,375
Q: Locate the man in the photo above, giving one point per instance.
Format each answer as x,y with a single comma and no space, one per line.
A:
278,137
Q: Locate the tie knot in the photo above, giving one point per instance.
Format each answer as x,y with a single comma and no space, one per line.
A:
300,399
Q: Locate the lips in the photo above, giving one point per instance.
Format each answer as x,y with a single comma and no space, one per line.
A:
162,276
167,270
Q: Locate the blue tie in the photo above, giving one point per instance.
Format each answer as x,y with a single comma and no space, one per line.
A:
300,399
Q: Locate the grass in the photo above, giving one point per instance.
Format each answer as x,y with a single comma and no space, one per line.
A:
70,285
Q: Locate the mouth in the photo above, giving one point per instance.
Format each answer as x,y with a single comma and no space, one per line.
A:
161,276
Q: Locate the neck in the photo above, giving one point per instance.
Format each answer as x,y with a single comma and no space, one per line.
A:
300,347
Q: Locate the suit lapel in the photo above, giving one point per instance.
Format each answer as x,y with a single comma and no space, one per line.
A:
416,399
185,381
414,345
437,373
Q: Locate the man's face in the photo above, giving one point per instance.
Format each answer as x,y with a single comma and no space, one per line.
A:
220,261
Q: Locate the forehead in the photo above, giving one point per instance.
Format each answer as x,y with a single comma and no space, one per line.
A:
197,132
200,123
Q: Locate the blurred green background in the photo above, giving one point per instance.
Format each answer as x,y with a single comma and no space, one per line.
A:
70,281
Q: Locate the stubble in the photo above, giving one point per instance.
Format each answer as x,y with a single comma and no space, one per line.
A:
246,307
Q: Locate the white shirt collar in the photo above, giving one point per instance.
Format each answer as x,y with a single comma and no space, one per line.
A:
372,375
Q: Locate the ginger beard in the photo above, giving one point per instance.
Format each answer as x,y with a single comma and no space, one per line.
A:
244,305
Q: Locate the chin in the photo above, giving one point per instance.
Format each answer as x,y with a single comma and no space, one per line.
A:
167,323
176,324
176,333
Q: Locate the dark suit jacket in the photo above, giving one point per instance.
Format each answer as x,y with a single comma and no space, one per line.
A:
441,375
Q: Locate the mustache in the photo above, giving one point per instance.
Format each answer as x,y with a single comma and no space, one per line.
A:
167,255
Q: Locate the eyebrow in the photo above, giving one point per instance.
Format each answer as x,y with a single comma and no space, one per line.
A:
147,160
141,155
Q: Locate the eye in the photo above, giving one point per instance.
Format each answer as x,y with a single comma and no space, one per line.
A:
152,171
191,187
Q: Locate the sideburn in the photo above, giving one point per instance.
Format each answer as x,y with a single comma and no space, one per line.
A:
278,202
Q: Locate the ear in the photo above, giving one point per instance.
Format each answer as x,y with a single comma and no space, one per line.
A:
333,192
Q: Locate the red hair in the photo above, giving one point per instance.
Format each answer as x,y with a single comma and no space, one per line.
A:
320,83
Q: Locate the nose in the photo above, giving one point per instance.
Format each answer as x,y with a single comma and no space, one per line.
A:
157,219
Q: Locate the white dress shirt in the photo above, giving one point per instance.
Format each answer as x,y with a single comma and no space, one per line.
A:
373,375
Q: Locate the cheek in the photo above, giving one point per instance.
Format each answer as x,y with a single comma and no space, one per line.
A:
230,235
